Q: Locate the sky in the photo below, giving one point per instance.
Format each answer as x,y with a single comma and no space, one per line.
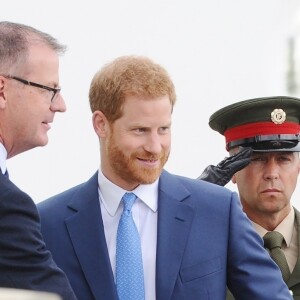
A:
217,52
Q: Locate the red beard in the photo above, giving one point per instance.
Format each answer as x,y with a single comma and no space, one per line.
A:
129,169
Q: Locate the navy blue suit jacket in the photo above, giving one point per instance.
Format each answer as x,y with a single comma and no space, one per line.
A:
204,242
24,260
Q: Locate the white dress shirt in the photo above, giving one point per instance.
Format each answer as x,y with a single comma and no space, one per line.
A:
3,157
144,212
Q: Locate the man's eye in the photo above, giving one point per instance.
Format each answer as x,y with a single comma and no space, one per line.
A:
140,130
164,129
284,158
254,159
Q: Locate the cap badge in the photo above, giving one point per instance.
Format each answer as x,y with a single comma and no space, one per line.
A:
278,116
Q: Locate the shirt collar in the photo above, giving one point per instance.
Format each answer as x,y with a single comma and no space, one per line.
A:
111,194
285,227
3,157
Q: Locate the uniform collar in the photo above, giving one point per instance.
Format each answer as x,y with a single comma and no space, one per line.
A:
285,227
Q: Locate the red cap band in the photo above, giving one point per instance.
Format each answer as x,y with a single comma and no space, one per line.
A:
260,128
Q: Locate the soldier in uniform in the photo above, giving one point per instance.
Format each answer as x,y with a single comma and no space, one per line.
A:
266,175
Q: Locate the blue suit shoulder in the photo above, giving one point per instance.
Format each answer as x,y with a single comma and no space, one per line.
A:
66,203
195,188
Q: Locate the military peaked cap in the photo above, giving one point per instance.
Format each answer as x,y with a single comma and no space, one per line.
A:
264,124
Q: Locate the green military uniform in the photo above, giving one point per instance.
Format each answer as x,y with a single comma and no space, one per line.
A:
294,281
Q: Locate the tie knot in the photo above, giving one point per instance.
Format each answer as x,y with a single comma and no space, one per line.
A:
128,200
273,239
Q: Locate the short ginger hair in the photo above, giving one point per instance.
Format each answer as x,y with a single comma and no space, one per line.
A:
128,76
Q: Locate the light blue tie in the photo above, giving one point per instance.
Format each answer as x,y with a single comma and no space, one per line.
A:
129,262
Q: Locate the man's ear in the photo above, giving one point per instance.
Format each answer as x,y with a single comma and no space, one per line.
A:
233,179
100,124
2,92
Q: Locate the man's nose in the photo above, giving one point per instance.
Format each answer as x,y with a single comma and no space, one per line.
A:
58,105
153,144
271,170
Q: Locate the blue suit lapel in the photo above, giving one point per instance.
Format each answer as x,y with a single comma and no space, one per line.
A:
174,221
86,231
